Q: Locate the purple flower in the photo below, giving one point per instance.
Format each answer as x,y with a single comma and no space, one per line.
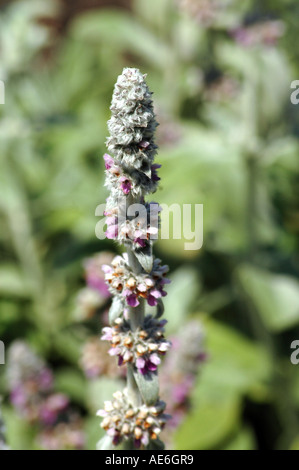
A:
132,300
137,443
152,301
126,185
116,440
148,367
109,162
52,407
144,144
141,242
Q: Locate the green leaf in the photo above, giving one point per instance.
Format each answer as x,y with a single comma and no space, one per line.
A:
128,34
68,345
93,432
182,291
275,297
145,258
243,440
12,281
208,424
20,435
148,386
160,308
235,365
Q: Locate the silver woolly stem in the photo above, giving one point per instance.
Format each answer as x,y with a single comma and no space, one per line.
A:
133,390
136,315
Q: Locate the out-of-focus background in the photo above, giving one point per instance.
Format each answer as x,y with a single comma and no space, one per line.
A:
221,72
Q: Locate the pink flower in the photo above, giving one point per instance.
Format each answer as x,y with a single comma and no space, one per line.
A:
132,300
109,162
107,336
140,363
126,185
114,351
152,301
112,232
144,144
140,242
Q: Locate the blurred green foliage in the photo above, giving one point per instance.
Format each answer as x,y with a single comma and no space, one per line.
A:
228,140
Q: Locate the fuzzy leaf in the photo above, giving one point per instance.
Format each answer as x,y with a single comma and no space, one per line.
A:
145,258
148,386
115,310
160,308
105,443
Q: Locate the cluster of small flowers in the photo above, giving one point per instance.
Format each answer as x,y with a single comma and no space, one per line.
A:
123,282
136,183
124,421
265,33
131,171
180,369
95,294
138,232
95,360
142,347
32,389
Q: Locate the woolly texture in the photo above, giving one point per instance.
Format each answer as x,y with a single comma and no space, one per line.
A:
130,287
139,423
142,347
136,276
133,123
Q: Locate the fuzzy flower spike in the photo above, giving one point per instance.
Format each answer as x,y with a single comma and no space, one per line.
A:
134,417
